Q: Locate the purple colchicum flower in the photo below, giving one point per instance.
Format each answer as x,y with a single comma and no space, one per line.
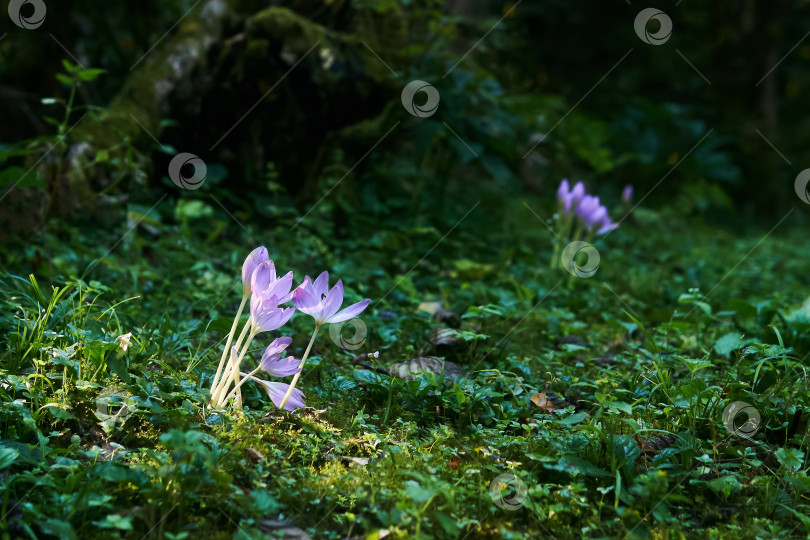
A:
265,314
256,257
588,210
577,193
272,362
321,303
264,282
277,391
627,194
562,191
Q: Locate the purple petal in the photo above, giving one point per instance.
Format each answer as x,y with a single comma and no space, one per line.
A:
577,193
333,300
279,344
586,207
263,276
269,359
274,350
286,313
350,312
305,301
607,227
256,257
563,190
306,284
627,194
274,319
283,299
296,401
281,287
597,217
265,322
277,367
255,305
265,312
567,201
277,391
321,285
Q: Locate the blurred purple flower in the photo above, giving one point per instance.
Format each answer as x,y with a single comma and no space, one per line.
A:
256,257
594,216
577,194
586,209
627,194
321,303
562,191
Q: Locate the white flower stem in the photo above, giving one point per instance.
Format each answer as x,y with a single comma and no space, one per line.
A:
234,374
215,386
226,352
240,383
232,371
300,366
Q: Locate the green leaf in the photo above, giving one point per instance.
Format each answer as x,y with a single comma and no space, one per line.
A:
7,457
742,308
802,517
264,502
90,74
725,485
114,521
21,178
119,367
58,528
418,493
70,68
728,343
620,406
575,465
572,420
791,458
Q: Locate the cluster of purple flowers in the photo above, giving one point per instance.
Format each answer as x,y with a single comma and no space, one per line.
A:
266,292
589,212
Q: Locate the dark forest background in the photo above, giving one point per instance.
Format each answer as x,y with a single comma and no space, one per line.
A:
747,83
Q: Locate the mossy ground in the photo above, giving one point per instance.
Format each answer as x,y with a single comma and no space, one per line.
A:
641,365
